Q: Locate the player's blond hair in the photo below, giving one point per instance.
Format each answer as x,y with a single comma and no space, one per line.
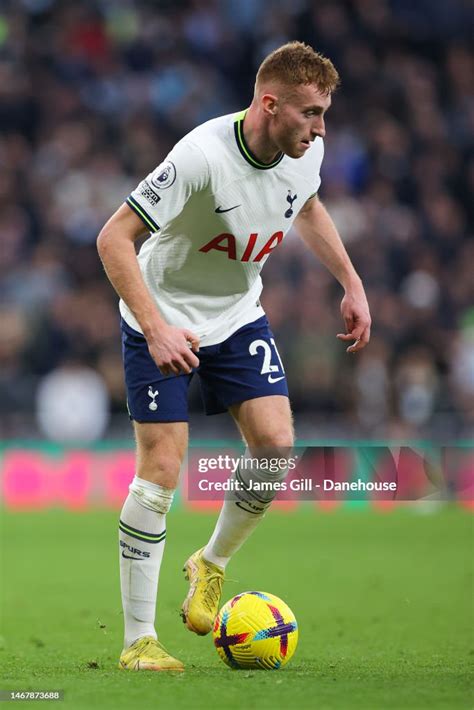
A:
297,63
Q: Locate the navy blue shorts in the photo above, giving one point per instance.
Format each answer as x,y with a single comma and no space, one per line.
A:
245,366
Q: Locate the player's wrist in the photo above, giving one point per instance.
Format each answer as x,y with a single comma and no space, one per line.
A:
352,284
154,327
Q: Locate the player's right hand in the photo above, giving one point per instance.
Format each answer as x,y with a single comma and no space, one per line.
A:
172,350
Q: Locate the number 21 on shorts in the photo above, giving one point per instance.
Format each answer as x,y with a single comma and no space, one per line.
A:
267,367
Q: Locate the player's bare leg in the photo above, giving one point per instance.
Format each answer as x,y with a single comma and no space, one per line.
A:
265,422
160,451
266,426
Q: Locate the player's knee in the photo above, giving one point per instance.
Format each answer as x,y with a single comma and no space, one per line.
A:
165,470
160,468
273,445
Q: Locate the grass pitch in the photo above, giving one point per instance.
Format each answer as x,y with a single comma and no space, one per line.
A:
383,602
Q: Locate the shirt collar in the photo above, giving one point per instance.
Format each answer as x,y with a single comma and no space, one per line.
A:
245,150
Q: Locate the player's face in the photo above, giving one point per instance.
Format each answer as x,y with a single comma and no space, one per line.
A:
299,118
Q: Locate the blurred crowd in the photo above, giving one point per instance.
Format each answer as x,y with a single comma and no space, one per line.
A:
92,97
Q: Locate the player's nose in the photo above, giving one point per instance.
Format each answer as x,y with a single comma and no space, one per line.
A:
318,128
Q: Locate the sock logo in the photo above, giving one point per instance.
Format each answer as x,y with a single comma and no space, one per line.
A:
153,405
133,551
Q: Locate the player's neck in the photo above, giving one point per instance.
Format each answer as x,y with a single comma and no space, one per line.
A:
256,137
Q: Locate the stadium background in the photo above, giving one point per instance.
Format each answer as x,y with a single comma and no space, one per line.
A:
92,97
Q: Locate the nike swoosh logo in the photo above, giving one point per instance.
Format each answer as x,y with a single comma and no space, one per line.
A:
272,380
219,210
128,557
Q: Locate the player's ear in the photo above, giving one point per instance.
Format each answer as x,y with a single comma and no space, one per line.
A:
269,104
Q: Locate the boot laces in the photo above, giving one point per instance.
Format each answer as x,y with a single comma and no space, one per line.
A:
152,645
213,582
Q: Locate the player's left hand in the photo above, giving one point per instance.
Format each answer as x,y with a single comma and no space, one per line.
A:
356,314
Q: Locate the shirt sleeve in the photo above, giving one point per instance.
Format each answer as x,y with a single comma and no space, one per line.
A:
161,196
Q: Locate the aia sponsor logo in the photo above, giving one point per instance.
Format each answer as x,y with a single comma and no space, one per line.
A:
227,243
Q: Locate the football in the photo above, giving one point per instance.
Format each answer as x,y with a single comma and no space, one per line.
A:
255,630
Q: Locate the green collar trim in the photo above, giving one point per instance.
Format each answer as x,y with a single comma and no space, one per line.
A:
245,150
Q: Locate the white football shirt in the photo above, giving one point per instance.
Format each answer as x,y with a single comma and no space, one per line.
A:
216,213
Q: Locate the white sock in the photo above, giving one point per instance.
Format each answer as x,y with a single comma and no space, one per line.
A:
233,527
240,516
142,532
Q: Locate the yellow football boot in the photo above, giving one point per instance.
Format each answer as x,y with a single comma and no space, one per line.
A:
201,605
147,654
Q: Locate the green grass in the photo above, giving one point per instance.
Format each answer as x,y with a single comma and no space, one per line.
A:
383,603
